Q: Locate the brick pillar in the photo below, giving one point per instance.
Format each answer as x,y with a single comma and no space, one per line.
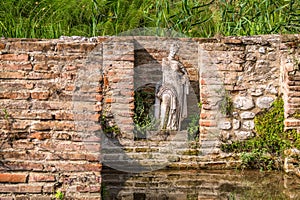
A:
118,71
290,86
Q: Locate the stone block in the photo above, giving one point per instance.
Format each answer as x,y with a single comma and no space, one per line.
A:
225,125
13,178
243,102
265,101
243,135
247,115
248,125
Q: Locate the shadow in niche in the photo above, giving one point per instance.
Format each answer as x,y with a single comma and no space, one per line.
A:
147,76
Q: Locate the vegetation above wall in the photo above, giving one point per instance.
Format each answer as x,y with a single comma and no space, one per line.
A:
207,18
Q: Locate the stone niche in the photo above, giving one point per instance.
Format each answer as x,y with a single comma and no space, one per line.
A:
132,70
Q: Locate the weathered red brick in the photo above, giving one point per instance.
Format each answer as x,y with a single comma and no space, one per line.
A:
90,89
55,105
40,135
15,67
48,188
12,75
15,57
207,123
109,100
63,115
31,46
25,155
20,104
22,166
41,95
41,178
41,75
61,146
90,128
13,178
7,198
70,68
41,126
231,41
41,67
13,86
14,95
23,144
89,188
68,75
2,46
230,67
292,123
70,87
64,126
21,124
30,114
63,136
75,47
79,167
81,117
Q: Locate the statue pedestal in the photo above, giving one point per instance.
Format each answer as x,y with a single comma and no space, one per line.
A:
166,135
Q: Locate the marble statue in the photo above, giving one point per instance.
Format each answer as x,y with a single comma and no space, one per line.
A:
171,93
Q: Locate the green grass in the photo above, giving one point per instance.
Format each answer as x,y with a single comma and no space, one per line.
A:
192,18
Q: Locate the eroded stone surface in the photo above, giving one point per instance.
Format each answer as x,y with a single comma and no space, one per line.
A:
243,135
236,124
249,124
225,125
243,102
247,115
291,161
265,102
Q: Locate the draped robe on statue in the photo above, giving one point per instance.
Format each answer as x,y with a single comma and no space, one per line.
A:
171,96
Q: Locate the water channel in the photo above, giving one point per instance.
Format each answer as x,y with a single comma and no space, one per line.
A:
199,184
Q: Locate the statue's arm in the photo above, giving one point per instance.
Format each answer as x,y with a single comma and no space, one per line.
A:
183,70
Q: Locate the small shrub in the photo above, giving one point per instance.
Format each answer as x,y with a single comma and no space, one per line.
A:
143,117
59,195
265,150
226,104
107,128
193,128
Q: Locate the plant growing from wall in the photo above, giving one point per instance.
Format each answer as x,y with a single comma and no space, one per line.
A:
108,127
59,195
143,118
266,149
226,104
193,128
11,136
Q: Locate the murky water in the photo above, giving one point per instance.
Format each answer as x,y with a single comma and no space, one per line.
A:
199,184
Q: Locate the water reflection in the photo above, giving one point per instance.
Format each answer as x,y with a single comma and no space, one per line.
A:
199,184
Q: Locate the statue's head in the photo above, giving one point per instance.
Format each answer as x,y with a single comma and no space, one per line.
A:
173,50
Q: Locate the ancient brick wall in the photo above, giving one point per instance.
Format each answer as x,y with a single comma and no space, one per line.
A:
42,150
58,96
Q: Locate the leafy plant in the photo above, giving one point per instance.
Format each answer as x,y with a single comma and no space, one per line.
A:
144,120
108,128
59,195
226,104
6,115
266,149
193,128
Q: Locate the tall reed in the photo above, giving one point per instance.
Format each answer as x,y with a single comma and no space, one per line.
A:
192,18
